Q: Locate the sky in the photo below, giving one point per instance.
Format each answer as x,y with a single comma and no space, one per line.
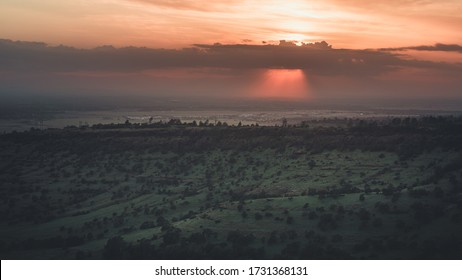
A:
234,49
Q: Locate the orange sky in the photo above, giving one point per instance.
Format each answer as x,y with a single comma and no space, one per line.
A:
178,23
375,49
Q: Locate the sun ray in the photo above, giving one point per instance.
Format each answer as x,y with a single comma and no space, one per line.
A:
282,84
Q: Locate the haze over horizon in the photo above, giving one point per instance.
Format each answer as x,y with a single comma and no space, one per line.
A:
229,51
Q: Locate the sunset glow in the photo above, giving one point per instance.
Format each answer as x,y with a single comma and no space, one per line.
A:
161,23
213,49
281,84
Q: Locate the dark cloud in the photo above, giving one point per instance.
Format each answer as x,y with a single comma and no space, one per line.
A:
436,47
316,58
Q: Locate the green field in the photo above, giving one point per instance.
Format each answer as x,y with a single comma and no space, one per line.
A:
355,189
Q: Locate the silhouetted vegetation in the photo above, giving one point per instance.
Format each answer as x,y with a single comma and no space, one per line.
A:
356,189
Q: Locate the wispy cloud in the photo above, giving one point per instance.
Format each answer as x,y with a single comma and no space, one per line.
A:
175,23
209,6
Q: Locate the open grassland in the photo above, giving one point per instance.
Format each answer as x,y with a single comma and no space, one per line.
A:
389,190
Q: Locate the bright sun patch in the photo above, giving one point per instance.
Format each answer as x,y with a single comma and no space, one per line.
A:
282,84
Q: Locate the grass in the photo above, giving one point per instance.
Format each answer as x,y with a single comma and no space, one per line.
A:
365,203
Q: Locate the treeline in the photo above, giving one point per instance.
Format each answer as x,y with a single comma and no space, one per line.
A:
406,137
435,122
158,124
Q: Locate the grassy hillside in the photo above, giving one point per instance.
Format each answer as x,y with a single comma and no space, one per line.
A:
349,190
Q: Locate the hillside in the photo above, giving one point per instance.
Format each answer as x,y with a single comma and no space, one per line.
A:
352,189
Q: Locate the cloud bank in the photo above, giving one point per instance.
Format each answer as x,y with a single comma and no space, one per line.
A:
436,47
316,58
220,71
